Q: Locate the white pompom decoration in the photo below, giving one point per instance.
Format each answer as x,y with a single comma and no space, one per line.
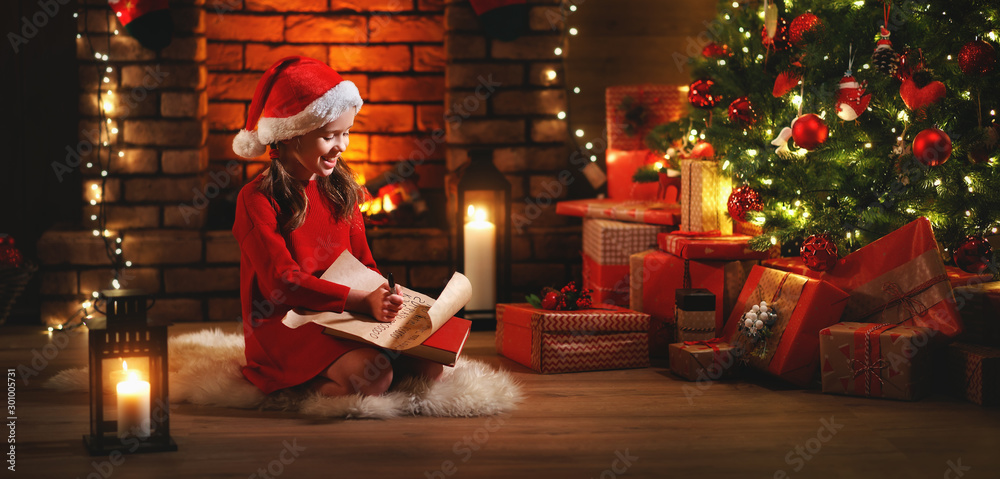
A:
755,308
759,324
748,323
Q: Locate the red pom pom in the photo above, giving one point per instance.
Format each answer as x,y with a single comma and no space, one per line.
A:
742,201
700,94
932,147
973,254
741,111
802,25
819,253
977,58
809,131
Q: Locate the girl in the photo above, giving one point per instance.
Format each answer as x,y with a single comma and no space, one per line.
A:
292,221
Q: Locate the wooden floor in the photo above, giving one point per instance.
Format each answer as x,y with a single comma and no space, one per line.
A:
635,423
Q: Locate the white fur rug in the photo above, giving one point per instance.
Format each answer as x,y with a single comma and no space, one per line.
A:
205,369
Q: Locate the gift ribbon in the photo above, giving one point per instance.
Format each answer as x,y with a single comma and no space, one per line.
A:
867,361
906,299
712,343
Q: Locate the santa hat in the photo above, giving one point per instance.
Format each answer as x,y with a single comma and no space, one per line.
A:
296,95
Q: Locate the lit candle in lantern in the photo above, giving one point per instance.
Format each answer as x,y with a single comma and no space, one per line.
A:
480,260
133,406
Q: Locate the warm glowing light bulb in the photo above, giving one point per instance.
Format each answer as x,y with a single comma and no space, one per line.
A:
550,74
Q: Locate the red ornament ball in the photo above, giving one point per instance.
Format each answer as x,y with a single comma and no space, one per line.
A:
801,26
819,253
741,111
702,149
932,147
977,58
700,94
973,254
780,40
742,201
809,131
714,50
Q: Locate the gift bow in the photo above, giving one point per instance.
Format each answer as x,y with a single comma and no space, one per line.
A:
871,363
907,300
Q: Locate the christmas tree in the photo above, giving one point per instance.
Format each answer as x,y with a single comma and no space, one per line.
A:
894,108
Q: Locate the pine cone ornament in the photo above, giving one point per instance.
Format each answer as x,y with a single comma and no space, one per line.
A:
885,59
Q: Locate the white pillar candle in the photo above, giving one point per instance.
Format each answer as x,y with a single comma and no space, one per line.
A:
480,260
133,406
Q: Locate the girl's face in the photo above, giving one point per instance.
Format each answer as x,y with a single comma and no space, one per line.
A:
316,153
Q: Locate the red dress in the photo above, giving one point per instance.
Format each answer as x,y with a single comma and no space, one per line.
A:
281,271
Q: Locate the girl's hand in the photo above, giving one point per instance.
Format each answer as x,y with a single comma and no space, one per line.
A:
384,304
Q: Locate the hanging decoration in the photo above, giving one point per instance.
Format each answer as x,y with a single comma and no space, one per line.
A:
741,111
982,149
973,254
819,252
786,82
809,131
149,21
774,34
932,147
918,90
742,201
700,94
804,27
851,98
977,58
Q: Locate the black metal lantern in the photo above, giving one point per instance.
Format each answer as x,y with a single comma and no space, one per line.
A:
129,404
483,224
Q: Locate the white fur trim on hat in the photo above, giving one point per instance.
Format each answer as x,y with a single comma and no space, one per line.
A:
329,107
247,145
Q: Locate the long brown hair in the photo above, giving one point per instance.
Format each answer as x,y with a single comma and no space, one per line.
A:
340,189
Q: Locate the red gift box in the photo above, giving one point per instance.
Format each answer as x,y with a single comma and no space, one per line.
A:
980,308
622,165
609,282
607,246
566,341
662,104
710,245
899,278
655,275
875,360
972,371
789,348
649,212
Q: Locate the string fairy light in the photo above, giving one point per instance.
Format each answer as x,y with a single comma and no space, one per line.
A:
103,151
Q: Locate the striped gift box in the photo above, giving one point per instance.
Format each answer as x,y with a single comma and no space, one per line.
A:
610,242
567,341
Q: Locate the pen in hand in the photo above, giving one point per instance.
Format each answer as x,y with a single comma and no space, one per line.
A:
392,284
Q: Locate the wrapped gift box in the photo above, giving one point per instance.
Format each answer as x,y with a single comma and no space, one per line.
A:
789,348
634,211
566,341
875,360
654,275
703,360
607,246
712,246
980,308
621,167
899,278
956,276
662,104
695,313
704,193
972,371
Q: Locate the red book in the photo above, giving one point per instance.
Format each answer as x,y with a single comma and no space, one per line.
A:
444,346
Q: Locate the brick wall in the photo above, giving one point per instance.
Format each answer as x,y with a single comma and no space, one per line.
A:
392,49
416,63
500,95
